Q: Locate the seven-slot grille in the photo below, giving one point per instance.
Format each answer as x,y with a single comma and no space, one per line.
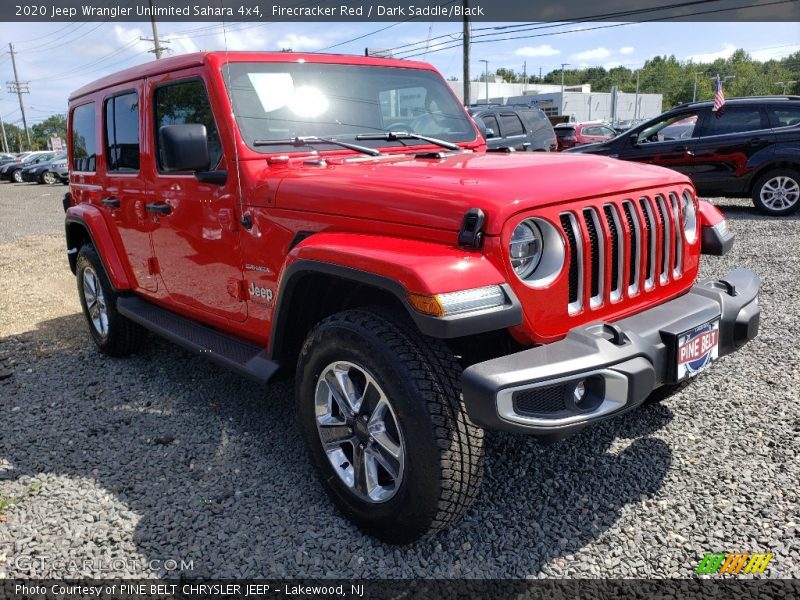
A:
619,248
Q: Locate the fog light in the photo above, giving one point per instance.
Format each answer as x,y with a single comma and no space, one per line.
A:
579,393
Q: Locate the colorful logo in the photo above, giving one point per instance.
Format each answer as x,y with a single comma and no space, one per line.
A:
734,563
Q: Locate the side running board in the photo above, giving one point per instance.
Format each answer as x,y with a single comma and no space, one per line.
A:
242,357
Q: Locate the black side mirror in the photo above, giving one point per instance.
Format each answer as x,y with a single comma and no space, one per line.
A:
634,137
184,147
490,133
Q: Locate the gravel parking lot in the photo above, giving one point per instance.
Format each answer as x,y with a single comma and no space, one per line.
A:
127,465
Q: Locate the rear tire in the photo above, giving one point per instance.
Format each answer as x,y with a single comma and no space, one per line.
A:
434,469
777,192
113,333
49,178
17,176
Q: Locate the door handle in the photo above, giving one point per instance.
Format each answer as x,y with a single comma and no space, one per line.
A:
111,202
756,141
161,208
683,149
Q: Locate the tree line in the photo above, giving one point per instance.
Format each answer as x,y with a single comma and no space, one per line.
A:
41,132
675,79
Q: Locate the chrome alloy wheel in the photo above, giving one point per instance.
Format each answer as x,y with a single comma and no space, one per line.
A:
95,301
359,431
780,192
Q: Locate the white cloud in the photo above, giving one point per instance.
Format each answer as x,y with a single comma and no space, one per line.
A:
707,57
534,51
300,43
626,50
777,52
593,54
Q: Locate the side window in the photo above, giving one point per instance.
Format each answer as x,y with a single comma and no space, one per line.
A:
676,127
736,119
786,116
84,141
511,125
186,102
122,132
607,131
491,123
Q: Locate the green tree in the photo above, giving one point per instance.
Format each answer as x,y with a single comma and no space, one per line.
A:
52,126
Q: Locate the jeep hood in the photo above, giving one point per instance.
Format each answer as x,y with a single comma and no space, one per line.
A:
437,192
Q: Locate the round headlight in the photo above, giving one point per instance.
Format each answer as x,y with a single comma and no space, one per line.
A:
525,248
689,219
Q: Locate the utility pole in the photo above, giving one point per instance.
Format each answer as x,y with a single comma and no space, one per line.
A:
524,76
486,78
467,86
5,139
15,87
785,85
157,48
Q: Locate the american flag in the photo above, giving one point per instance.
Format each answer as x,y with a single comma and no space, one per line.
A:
719,97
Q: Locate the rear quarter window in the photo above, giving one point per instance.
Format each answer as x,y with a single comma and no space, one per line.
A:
511,125
84,139
785,116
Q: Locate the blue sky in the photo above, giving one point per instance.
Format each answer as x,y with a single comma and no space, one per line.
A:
57,58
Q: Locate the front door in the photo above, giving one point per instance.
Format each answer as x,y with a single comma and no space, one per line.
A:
667,143
125,190
195,234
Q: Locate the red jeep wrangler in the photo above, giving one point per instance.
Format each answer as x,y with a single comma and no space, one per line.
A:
338,218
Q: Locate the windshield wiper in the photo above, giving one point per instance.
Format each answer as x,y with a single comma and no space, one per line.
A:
310,140
396,136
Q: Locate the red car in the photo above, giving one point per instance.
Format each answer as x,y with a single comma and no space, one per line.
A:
338,219
570,135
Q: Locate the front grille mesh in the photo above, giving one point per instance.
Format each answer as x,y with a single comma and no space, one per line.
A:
642,234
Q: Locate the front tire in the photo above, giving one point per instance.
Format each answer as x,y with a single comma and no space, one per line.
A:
113,333
17,176
777,192
49,178
381,413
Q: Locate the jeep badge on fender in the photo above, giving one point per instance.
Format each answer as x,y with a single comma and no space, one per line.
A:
414,310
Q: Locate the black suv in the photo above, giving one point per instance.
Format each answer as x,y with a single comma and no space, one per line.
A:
749,149
511,127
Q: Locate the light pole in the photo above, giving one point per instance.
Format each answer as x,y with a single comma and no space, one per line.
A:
636,102
562,87
785,85
694,93
486,78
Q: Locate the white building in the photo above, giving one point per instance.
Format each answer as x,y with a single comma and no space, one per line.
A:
579,103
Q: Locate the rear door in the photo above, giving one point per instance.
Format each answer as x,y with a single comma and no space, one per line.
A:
490,121
125,190
513,131
195,227
728,141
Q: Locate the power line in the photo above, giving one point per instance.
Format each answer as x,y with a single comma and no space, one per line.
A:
613,25
536,25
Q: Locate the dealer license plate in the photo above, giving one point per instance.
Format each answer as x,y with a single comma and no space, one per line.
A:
697,348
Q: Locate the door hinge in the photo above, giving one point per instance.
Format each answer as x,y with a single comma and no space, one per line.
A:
152,266
237,289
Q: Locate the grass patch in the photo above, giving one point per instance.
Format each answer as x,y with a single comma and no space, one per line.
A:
9,501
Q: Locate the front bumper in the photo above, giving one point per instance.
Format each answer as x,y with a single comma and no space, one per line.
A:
619,363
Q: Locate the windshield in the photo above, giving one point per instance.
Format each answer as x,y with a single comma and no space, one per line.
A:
278,101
